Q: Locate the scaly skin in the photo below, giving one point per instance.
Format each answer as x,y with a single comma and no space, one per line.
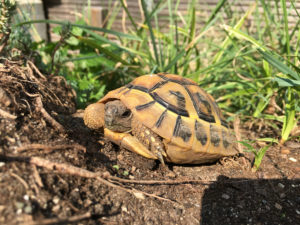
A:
150,139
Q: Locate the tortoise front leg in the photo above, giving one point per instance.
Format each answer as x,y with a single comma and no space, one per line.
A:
129,142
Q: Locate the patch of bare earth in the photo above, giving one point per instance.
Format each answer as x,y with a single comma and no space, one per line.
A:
53,170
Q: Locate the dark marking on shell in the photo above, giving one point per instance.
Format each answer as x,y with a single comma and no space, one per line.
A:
171,107
129,86
126,92
214,136
203,101
201,115
157,85
140,88
180,98
200,133
144,106
226,139
122,89
161,118
181,130
183,81
224,123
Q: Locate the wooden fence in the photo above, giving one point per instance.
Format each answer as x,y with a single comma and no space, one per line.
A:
68,10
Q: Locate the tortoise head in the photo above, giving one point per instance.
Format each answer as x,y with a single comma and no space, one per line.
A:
117,116
113,115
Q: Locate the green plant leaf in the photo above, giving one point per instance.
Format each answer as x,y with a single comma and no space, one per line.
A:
259,157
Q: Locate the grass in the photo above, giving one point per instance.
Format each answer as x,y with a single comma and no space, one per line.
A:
251,66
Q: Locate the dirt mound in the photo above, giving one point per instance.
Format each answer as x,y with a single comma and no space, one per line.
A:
53,170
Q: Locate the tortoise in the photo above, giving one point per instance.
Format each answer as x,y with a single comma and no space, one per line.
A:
165,117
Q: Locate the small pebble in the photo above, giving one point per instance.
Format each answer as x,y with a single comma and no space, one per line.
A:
139,195
293,159
297,211
56,208
26,197
55,200
282,195
280,185
278,206
285,151
87,203
19,211
124,209
225,196
133,168
120,157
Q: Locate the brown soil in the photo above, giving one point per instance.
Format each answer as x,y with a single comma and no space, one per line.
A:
53,170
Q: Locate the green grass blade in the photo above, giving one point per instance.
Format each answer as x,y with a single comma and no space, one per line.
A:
205,28
277,63
285,82
259,157
227,41
286,29
270,58
94,44
151,32
289,117
129,15
215,12
115,33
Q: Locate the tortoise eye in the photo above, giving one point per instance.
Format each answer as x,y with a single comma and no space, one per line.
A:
127,113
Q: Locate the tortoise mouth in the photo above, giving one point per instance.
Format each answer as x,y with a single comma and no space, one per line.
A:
117,127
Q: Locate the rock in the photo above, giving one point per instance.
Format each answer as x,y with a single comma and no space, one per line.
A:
278,206
293,159
285,151
225,196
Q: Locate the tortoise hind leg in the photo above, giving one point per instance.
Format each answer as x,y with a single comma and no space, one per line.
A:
150,140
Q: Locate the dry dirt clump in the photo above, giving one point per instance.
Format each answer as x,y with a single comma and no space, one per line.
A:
53,170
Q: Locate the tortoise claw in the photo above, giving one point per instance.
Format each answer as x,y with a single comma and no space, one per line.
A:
160,158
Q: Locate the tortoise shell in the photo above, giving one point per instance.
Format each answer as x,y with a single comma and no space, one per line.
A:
178,110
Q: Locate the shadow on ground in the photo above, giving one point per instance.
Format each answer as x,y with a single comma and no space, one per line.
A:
245,201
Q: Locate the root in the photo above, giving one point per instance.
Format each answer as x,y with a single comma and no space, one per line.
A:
66,220
47,117
49,148
5,114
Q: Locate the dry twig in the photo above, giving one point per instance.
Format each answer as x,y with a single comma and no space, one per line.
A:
160,182
67,220
23,182
49,148
36,176
236,126
5,114
46,115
